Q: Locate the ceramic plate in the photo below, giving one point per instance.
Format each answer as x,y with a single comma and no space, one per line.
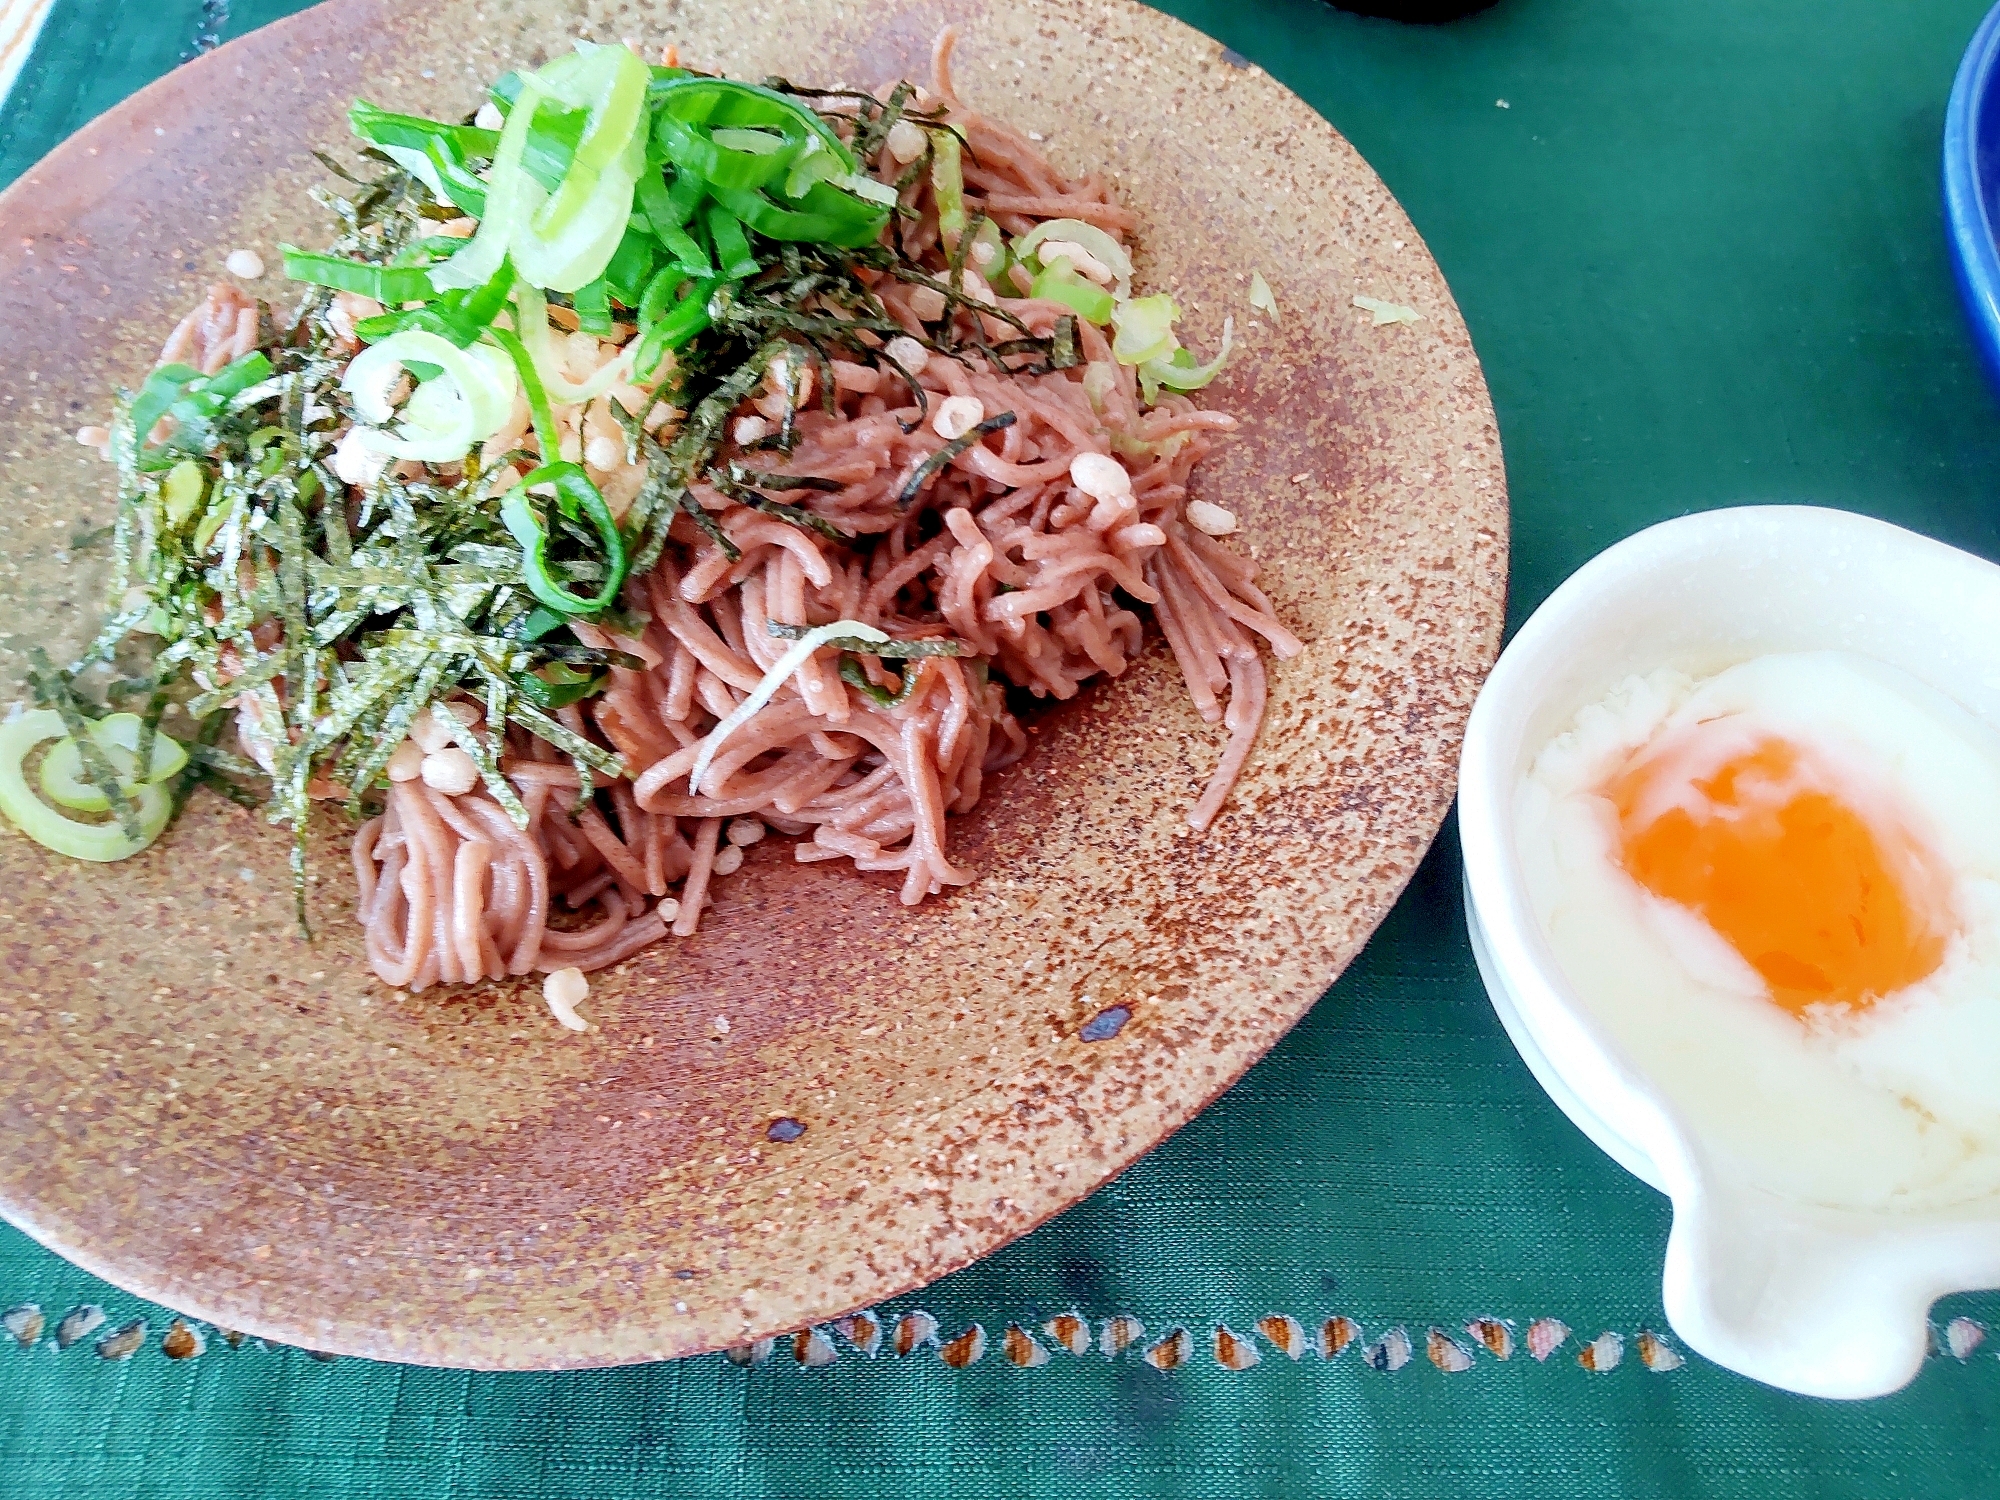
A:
211,1111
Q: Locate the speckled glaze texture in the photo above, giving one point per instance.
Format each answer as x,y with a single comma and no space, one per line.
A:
205,1108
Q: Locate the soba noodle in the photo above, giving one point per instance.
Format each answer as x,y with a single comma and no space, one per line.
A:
1040,581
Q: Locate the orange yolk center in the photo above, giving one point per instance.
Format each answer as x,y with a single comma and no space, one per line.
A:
1828,908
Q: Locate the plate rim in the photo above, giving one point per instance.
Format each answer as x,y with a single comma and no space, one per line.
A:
244,1311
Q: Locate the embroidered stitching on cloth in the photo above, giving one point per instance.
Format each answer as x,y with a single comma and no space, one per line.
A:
866,1334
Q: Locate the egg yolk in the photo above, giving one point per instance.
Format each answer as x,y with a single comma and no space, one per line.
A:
1827,907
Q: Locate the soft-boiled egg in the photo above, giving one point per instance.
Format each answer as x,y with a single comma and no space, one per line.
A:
1778,889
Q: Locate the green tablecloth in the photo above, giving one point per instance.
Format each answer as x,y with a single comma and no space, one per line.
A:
1698,246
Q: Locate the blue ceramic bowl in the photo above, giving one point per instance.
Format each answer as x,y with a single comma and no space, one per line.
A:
1972,186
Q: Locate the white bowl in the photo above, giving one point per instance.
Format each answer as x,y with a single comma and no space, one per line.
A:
1822,1301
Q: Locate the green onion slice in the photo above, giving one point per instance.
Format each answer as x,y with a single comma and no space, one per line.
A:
182,491
665,217
610,83
434,153
1145,329
577,498
631,267
557,686
756,142
447,416
389,285
948,186
461,314
1057,282
1178,371
506,183
671,327
381,127
65,782
195,402
574,250
1115,258
101,843
732,246
732,141
1262,299
824,216
592,305
685,195
563,240
533,322
813,165
739,135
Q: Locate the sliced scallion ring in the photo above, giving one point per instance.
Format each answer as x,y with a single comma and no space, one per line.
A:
1178,371
1089,237
814,164
948,186
533,321
506,185
756,142
391,285
182,491
863,186
447,416
101,843
610,82
63,778
573,252
1058,282
563,240
1145,329
580,500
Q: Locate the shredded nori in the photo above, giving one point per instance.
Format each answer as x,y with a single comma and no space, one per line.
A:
856,676
730,481
334,622
337,624
889,650
930,467
782,482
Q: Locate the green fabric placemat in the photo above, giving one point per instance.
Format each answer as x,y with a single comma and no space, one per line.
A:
1699,249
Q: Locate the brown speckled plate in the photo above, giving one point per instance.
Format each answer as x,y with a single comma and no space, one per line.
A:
209,1111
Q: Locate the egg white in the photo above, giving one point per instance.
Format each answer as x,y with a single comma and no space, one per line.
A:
1894,1106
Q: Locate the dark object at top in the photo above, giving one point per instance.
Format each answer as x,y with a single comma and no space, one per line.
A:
1422,12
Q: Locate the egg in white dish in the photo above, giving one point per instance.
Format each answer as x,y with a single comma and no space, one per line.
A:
1778,891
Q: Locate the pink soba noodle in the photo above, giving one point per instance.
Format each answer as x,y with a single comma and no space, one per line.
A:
1038,550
